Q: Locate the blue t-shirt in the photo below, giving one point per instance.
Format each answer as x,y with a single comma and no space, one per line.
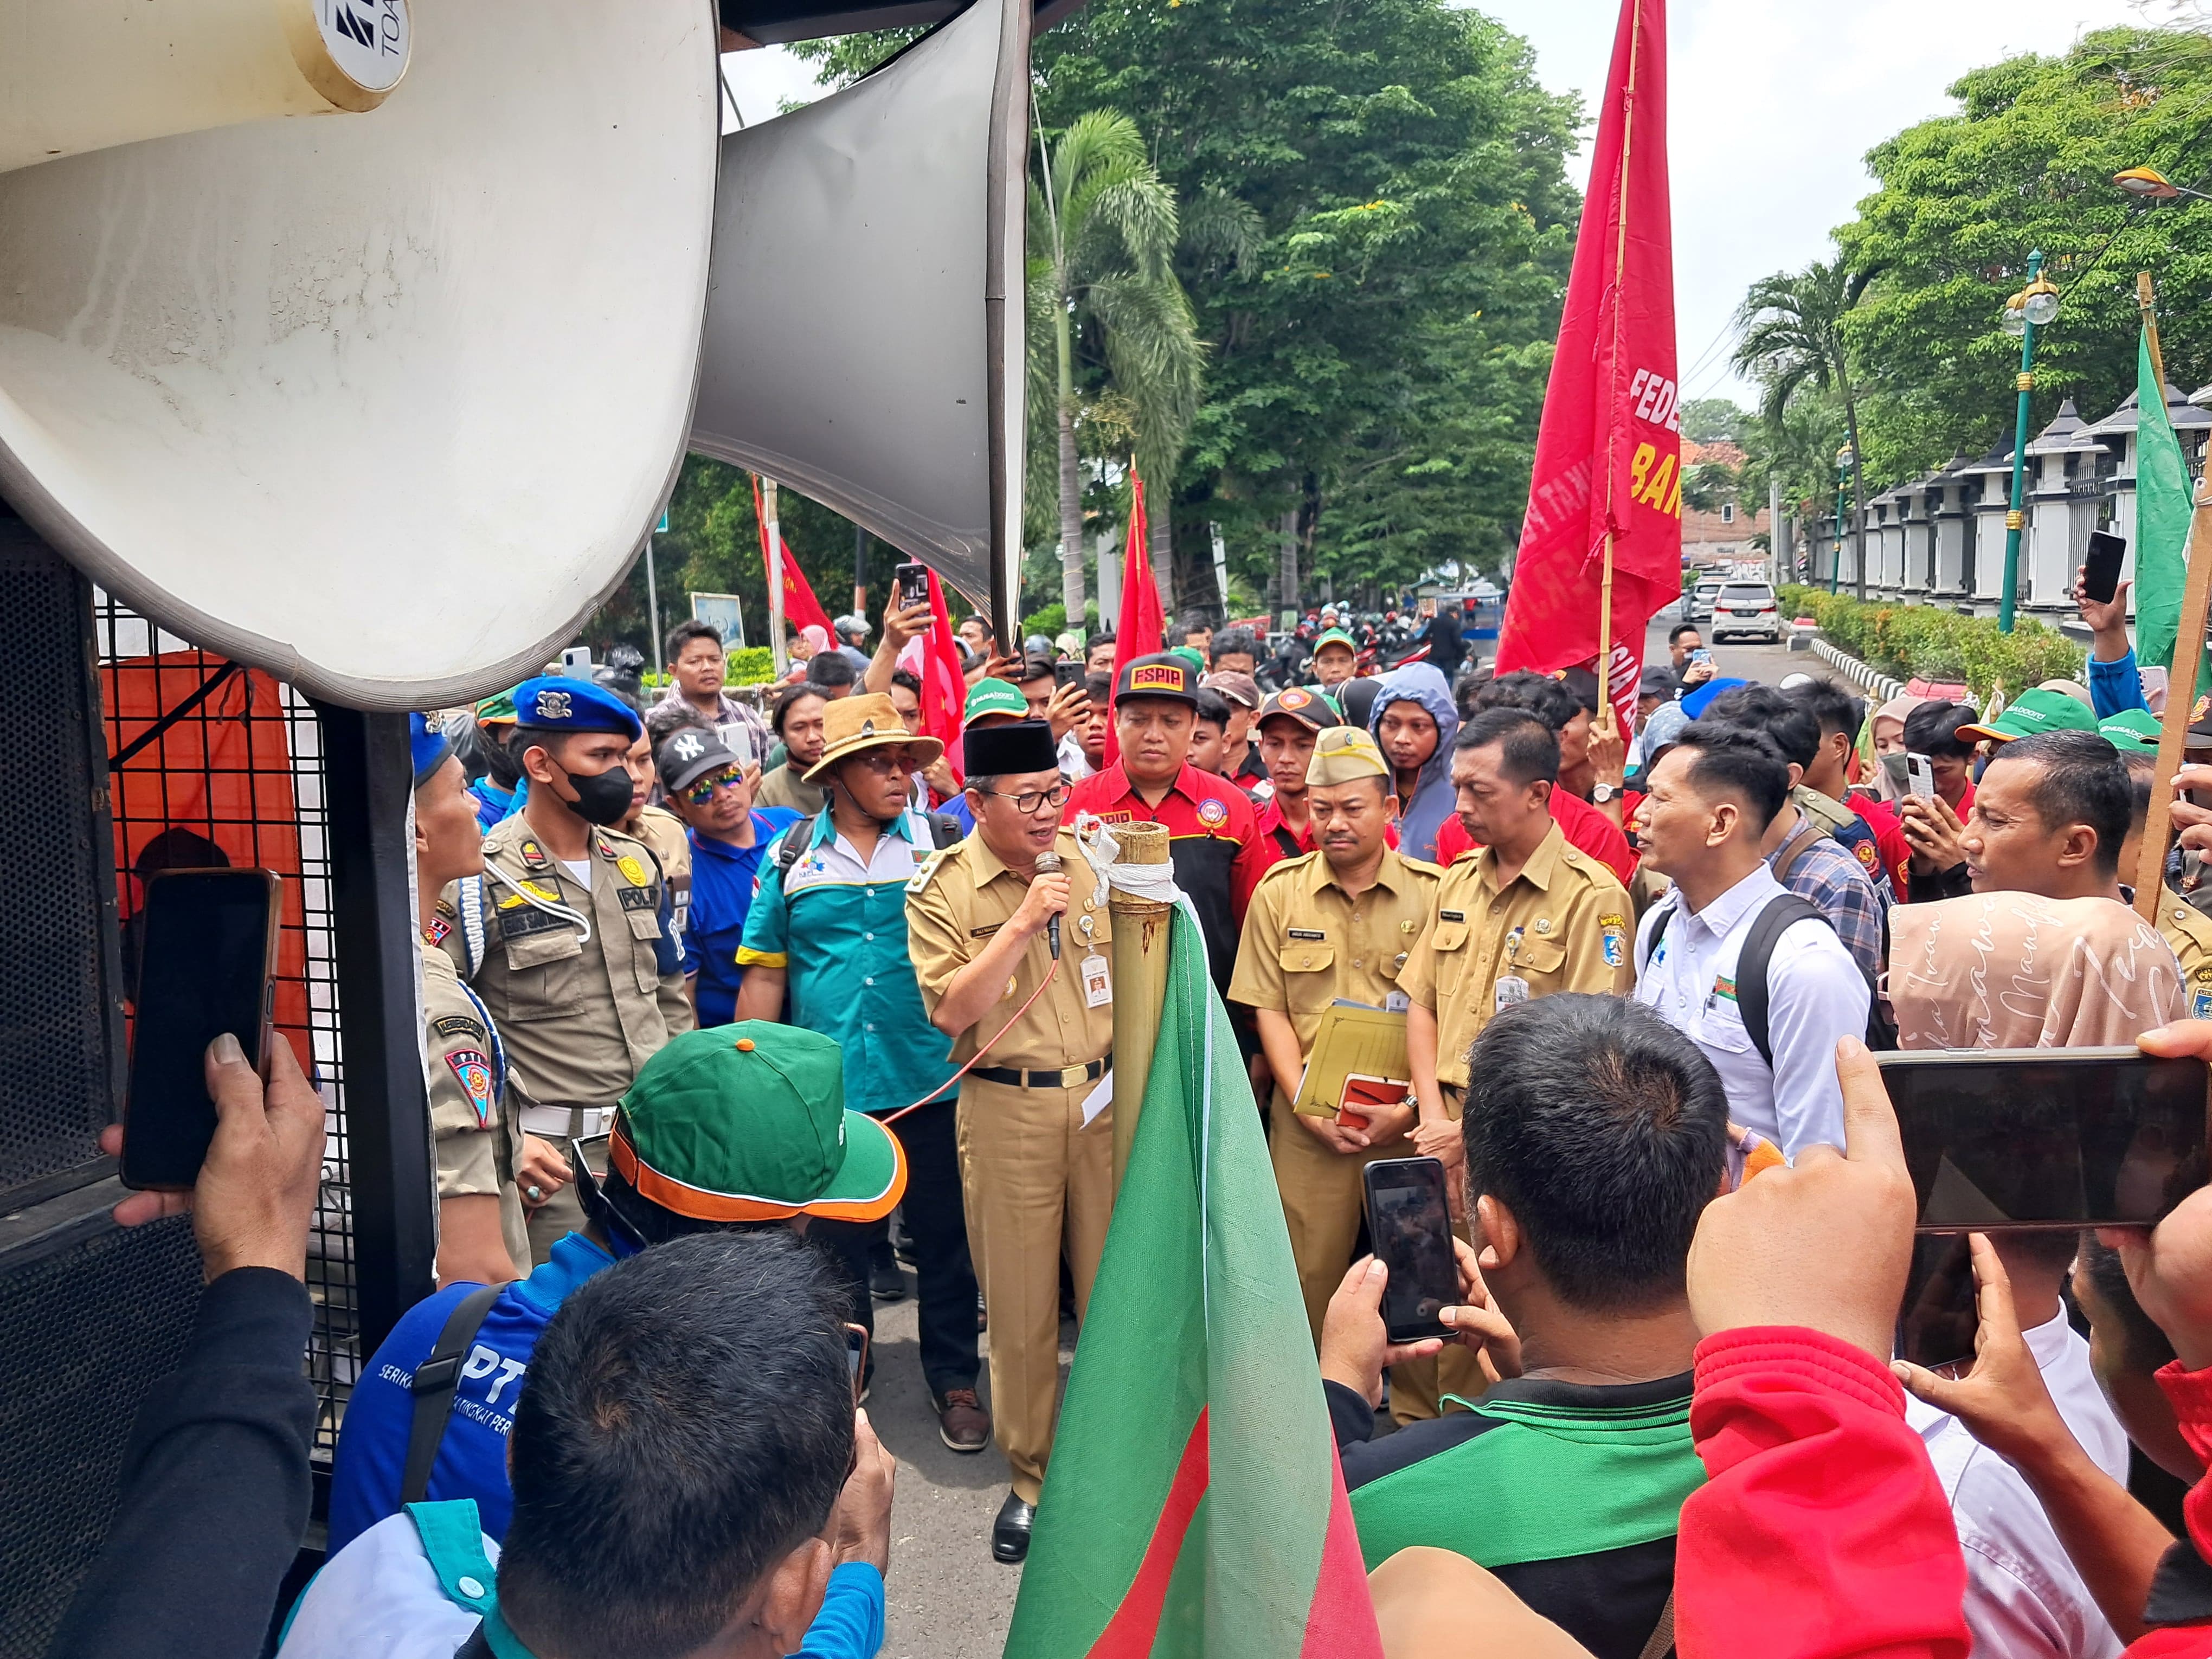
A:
471,1463
722,878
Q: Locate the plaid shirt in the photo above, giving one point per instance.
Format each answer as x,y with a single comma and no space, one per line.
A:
1826,873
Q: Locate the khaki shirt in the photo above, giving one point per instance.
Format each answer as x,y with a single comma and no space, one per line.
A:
963,896
785,787
2189,931
664,833
1307,942
477,1126
578,1015
1561,924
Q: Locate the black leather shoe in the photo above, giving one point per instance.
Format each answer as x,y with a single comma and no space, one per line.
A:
1009,1532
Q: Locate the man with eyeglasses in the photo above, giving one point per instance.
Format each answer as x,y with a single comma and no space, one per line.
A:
707,788
827,931
1036,1139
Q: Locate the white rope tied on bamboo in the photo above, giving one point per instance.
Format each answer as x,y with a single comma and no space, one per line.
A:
1102,851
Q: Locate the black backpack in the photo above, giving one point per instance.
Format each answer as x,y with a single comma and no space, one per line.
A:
1783,911
944,831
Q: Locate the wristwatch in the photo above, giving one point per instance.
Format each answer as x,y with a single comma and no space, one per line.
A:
1602,793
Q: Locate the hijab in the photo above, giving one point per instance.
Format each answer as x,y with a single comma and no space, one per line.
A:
1892,712
2015,970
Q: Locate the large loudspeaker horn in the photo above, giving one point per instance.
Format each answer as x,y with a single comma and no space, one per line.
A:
384,401
865,328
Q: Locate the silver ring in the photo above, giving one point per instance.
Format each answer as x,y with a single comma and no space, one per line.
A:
537,1195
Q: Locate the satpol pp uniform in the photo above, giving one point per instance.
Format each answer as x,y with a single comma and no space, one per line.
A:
578,966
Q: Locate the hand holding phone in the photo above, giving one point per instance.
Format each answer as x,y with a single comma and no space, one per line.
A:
1409,1219
912,584
2100,571
1920,776
1065,674
2002,1397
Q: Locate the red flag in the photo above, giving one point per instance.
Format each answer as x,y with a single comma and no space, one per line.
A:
1141,631
801,608
944,685
1608,454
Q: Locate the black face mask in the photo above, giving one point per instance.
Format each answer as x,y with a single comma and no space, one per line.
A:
602,797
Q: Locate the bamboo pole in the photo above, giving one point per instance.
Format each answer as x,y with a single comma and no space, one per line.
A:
2180,698
1608,723
1140,983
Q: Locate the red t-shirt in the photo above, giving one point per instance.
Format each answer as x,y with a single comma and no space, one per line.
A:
1211,839
1888,837
1582,824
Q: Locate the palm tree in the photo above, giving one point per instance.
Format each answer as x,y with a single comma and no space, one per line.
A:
1793,337
1103,229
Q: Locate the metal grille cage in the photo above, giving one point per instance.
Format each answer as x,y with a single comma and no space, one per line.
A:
200,748
54,1043
87,1331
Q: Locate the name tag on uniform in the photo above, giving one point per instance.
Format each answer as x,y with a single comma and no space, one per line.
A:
1511,988
1451,915
1315,933
1097,982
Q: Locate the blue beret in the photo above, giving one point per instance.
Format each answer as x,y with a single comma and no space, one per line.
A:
553,703
1695,704
426,738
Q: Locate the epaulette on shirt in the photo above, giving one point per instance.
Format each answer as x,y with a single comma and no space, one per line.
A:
927,870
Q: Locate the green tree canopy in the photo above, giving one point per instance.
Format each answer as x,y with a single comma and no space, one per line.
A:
2026,162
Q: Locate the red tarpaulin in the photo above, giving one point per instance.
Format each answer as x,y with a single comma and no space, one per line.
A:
1608,454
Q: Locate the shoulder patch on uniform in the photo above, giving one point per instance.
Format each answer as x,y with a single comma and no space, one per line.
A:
473,1068
439,929
457,1025
444,907
1869,855
1612,920
633,872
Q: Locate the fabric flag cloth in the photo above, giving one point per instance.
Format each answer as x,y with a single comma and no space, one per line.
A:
944,684
801,608
2163,513
1194,1504
1608,452
1141,629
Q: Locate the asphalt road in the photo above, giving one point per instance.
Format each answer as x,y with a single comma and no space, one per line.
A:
949,1599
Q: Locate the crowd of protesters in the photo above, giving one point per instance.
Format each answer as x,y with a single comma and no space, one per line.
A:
730,1009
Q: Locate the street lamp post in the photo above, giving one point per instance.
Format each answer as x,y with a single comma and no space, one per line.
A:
1843,458
2033,307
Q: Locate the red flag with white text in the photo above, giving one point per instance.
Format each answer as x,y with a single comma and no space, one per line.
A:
1608,453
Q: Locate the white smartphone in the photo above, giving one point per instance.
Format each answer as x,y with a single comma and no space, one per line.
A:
737,737
1920,776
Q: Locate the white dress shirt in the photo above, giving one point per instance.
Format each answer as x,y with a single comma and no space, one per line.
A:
2024,1598
1815,996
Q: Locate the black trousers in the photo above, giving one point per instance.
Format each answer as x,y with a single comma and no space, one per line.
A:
937,1223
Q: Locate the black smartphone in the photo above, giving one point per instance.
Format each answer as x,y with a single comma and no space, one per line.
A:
1410,1223
1067,673
912,582
856,1359
1937,1321
1998,1138
207,964
2100,571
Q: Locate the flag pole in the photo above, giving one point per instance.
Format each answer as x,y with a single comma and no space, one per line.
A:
1140,983
2180,698
1608,724
2147,305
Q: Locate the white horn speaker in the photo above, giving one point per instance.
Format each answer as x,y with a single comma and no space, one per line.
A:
383,402
865,325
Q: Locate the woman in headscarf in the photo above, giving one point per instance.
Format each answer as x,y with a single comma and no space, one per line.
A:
1889,739
1414,724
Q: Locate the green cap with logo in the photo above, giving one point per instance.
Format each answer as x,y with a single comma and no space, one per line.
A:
747,1122
2132,731
2033,711
1335,637
992,695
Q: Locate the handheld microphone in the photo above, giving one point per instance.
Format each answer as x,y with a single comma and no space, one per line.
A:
1048,863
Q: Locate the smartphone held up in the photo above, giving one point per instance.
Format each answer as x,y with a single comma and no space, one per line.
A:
1409,1220
207,966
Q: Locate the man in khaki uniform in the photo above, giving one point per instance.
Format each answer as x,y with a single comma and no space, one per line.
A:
1333,923
567,938
1038,1173
481,1235
1526,916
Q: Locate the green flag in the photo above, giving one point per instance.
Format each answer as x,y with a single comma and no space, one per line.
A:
2162,508
1194,1508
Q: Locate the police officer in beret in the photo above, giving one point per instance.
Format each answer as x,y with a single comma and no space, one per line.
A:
987,928
568,935
481,1234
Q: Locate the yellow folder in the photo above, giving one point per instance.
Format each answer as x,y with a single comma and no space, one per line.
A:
1355,1039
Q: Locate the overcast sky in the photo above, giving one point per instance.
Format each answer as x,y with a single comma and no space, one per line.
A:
1773,106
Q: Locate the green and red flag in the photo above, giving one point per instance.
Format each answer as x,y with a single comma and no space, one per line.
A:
2162,512
1194,1504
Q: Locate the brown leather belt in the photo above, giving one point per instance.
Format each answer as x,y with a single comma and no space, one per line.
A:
1067,1077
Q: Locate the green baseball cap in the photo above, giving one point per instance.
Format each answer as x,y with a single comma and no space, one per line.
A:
992,695
2131,731
747,1122
2032,712
1335,637
1189,654
496,710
